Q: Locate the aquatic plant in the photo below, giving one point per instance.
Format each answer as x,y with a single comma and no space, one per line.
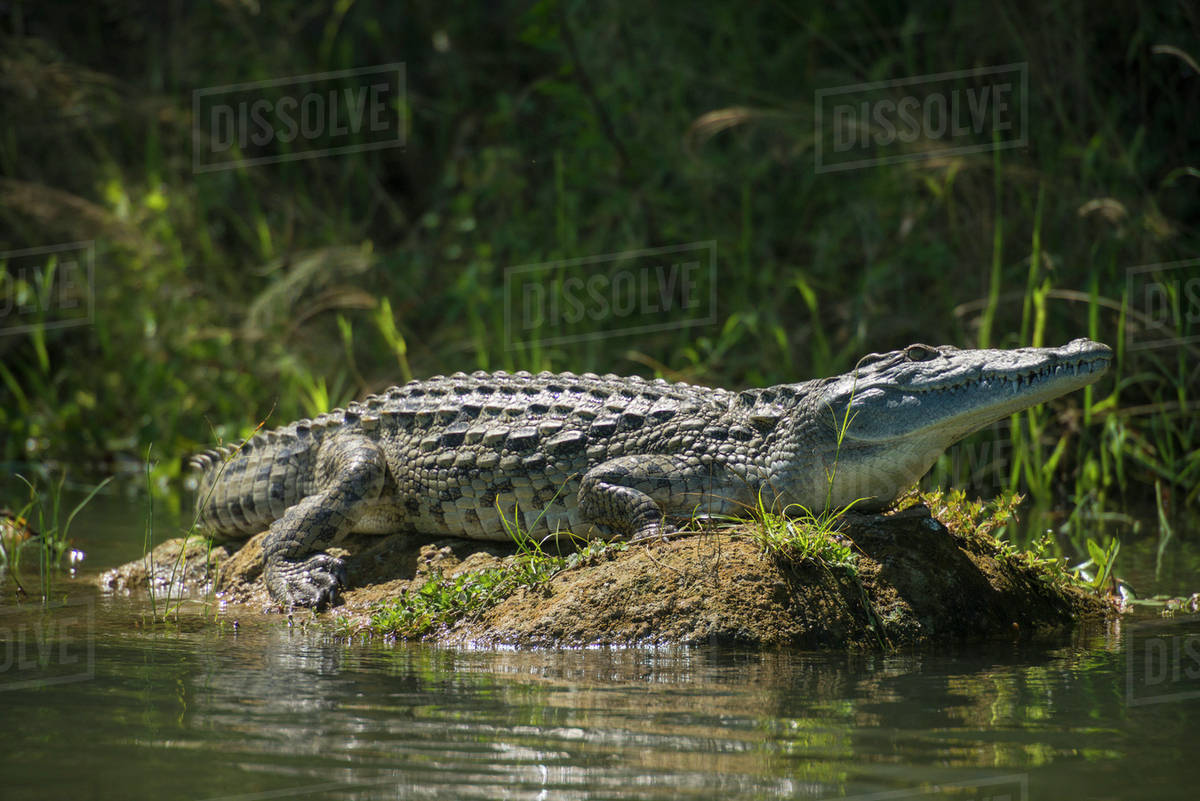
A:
40,524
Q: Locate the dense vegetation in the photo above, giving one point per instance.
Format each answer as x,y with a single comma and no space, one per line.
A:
558,130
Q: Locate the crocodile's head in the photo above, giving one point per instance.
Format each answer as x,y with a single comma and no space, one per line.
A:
902,409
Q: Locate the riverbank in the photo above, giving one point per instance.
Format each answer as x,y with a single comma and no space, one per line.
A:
908,577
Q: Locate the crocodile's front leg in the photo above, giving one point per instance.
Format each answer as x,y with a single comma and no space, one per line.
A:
630,494
350,473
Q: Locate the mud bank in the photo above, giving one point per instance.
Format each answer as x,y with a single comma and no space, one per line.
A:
913,581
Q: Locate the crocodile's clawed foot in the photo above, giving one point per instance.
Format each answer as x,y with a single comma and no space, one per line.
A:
313,582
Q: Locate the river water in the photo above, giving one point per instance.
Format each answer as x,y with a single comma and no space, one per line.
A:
98,700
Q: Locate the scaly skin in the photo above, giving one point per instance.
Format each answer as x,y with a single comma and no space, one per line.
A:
604,456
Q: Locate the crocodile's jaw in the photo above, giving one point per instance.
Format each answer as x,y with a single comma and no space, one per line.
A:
904,413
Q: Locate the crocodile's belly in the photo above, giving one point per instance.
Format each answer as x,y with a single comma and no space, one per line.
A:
489,505
481,505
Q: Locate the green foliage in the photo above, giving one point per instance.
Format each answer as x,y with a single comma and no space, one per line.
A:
531,565
992,522
797,533
1043,556
440,602
162,604
968,517
1097,570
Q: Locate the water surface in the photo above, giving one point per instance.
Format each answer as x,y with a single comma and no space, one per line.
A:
100,701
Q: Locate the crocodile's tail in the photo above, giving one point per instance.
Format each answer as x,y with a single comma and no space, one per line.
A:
243,488
206,460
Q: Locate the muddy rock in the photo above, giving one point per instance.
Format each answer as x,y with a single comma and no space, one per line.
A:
178,567
378,568
912,581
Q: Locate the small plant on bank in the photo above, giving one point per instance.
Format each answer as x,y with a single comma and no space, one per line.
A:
1042,556
968,517
1097,570
990,521
531,566
171,606
801,536
440,602
50,534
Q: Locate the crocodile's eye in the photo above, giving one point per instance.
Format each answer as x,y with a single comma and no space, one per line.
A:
920,353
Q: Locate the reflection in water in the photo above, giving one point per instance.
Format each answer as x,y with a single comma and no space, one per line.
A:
271,712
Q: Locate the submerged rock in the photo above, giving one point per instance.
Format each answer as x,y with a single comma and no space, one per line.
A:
178,567
911,580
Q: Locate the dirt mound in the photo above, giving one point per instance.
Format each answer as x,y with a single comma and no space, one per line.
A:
912,580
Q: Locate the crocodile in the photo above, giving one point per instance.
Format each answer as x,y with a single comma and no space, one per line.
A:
560,454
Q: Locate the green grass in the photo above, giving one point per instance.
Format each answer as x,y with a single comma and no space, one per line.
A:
442,601
994,523
798,535
994,518
439,603
167,605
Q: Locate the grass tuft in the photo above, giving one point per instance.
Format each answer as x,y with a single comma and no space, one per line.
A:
797,535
